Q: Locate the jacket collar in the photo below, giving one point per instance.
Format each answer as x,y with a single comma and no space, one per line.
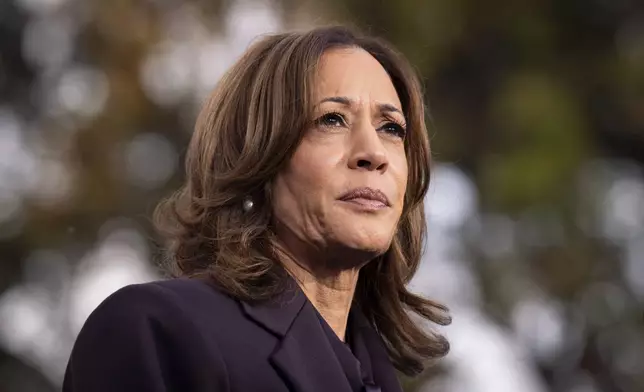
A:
382,369
304,355
278,314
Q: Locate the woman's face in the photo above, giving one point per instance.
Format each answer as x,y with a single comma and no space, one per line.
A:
341,195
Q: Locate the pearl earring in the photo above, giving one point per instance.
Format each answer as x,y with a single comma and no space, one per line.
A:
248,204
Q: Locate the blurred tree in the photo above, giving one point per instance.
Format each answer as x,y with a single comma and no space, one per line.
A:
523,95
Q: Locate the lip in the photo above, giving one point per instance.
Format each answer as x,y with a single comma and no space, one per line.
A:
367,197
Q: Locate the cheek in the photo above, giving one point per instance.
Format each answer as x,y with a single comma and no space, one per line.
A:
311,167
401,173
403,181
302,184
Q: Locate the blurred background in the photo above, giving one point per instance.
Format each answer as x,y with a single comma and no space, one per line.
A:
536,209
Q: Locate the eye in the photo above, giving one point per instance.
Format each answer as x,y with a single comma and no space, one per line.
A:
332,119
395,129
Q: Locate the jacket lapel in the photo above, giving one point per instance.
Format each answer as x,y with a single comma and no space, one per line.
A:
304,356
382,368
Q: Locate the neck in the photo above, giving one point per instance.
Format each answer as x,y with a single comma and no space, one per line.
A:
331,292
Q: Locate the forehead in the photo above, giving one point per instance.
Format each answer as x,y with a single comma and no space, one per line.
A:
356,74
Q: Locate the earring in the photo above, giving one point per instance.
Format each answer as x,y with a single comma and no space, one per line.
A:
248,204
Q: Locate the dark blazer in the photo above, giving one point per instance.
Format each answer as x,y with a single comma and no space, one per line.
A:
185,335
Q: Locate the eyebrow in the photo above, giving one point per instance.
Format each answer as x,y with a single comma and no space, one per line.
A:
346,101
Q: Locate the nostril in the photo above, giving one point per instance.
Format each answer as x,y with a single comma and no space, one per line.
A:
364,163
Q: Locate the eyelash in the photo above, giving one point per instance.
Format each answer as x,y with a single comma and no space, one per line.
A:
399,129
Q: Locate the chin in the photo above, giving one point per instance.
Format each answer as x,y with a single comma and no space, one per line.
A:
353,249
370,243
364,238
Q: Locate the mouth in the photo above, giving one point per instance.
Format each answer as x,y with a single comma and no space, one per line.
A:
366,197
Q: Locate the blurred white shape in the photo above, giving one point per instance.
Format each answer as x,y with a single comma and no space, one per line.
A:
167,73
247,20
540,326
127,232
438,383
48,41
26,329
624,207
17,166
444,275
451,199
23,312
483,358
13,151
190,60
150,160
634,266
213,59
612,199
40,6
22,173
114,264
32,314
81,90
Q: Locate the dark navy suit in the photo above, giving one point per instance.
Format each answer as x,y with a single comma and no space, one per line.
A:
185,335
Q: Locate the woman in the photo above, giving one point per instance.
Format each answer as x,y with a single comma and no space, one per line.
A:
299,225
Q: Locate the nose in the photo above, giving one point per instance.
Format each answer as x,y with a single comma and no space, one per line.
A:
368,152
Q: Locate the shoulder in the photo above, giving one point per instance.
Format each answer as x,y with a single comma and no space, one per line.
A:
170,300
149,337
157,319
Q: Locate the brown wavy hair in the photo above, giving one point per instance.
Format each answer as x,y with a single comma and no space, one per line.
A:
247,131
